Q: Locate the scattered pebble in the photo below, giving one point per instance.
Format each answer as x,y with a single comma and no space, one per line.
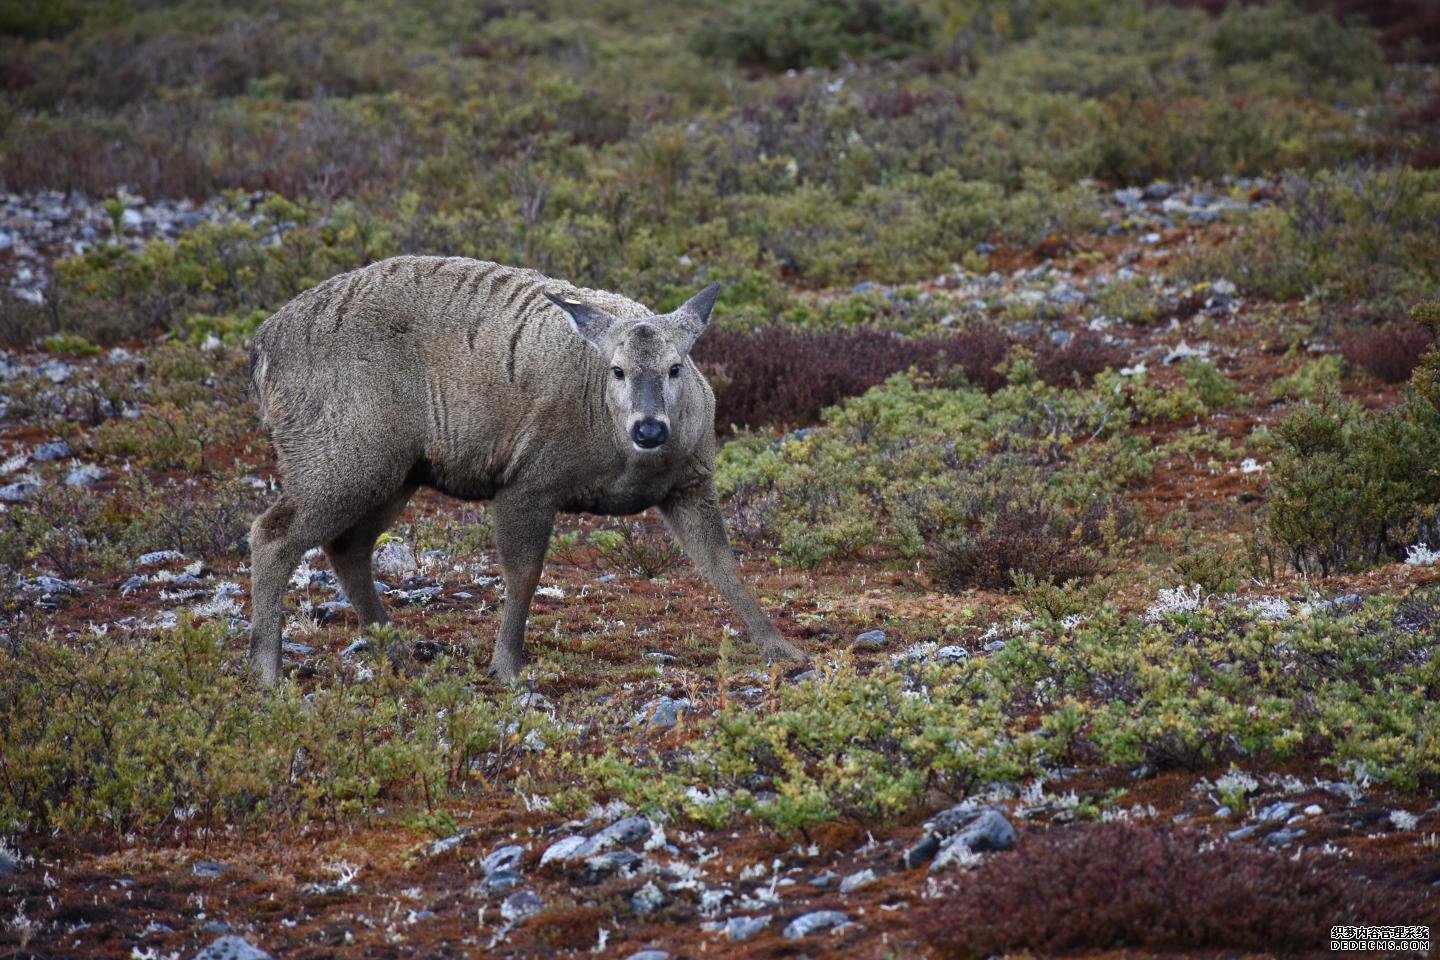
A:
806,924
871,640
521,905
232,948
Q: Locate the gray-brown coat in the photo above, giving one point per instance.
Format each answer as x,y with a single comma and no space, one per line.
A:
485,382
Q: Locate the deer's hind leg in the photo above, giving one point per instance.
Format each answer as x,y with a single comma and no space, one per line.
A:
312,515
350,555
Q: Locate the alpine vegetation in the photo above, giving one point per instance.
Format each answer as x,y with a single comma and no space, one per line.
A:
484,382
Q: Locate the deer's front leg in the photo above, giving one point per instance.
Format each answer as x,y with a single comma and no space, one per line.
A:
694,516
522,535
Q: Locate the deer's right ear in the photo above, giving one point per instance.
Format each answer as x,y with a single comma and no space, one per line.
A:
589,322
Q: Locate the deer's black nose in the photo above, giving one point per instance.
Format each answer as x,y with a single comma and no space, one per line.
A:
649,434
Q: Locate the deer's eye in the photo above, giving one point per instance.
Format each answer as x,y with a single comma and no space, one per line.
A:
674,371
617,373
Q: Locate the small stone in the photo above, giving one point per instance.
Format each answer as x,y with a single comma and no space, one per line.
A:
394,559
520,906
356,648
131,585
1314,810
952,654
209,869
9,866
1275,812
826,879
857,880
659,657
19,491
743,928
995,646
985,249
568,848
863,287
605,578
500,881
446,844
1222,812
216,926
1283,838
1243,832
871,640
53,450
232,948
624,832
507,857
647,900
622,862
806,924
650,955
54,585
297,649
159,556
663,712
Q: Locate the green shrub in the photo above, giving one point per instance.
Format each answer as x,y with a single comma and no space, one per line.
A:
811,33
1350,488
124,734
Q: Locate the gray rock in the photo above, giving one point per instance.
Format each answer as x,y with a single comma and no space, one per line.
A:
857,880
985,249
56,371
1276,811
1159,190
622,862
298,649
823,880
131,585
995,646
209,869
9,866
743,928
871,640
53,450
952,654
864,286
54,585
1283,838
650,955
500,881
394,559
216,926
331,611
806,924
624,832
1243,832
663,712
507,857
521,905
977,829
159,556
19,491
567,848
647,900
232,948
446,844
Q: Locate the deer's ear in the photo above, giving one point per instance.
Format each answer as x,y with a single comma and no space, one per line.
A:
692,317
588,321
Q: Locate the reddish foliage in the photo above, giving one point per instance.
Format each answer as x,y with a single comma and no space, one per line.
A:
1102,886
787,376
1389,353
1085,355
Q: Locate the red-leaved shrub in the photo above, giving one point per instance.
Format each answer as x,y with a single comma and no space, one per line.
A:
782,375
1078,361
1391,352
1126,885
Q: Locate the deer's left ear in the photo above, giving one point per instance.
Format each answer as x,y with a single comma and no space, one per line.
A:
690,320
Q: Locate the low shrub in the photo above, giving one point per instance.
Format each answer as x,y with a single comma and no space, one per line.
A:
1350,488
126,733
781,375
1077,363
1390,353
791,34
1135,886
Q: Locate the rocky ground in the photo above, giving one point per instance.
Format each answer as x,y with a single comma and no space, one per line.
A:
514,878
